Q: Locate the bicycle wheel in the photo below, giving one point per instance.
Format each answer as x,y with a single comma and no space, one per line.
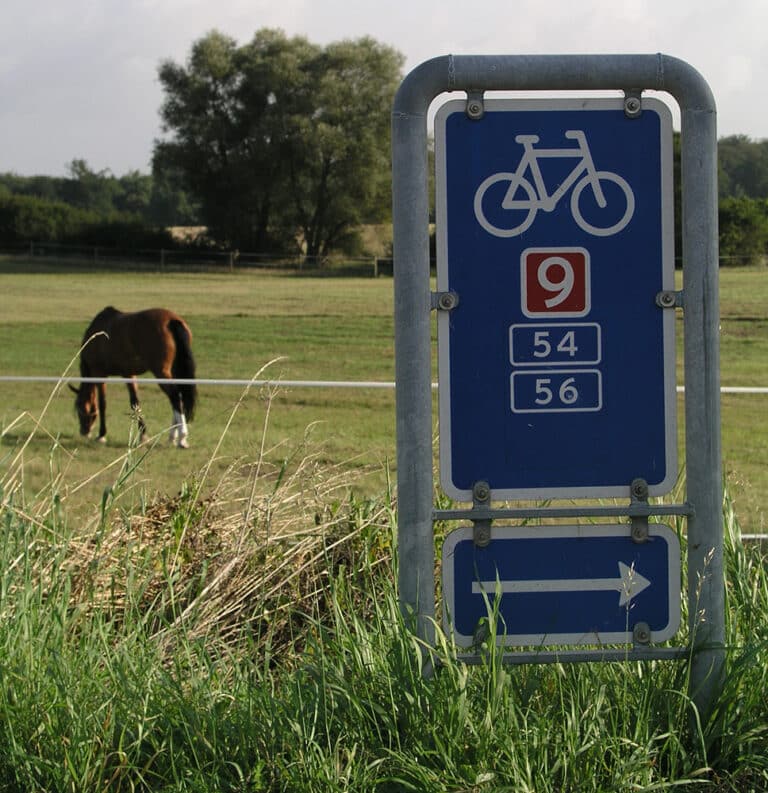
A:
507,209
609,212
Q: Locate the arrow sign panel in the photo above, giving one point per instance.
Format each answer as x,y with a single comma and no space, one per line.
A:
562,584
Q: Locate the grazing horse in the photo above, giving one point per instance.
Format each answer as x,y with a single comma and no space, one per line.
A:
125,345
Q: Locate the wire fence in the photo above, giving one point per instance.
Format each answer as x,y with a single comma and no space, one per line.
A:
241,383
215,381
202,381
189,259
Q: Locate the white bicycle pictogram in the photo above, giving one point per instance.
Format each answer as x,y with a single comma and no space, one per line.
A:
538,197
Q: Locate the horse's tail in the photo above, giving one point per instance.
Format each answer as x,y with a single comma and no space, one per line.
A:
184,365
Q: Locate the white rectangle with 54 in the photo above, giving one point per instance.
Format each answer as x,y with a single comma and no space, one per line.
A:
570,344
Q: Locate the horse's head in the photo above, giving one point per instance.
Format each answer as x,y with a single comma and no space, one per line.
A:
85,407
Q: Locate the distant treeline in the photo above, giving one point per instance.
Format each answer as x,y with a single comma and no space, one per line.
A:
743,186
136,210
93,208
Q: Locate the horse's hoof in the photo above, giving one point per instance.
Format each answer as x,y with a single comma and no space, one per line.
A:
183,443
101,439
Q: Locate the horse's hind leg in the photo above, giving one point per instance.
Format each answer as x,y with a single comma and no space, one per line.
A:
179,430
133,393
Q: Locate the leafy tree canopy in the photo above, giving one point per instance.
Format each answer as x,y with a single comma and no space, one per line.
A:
281,140
743,230
743,167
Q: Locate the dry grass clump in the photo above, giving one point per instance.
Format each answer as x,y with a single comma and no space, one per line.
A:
251,561
246,559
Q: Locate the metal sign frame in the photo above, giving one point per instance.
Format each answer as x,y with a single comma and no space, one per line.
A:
414,300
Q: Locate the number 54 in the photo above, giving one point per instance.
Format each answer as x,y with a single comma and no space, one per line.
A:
543,347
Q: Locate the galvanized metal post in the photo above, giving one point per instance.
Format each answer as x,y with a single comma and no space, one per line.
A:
706,588
702,371
413,368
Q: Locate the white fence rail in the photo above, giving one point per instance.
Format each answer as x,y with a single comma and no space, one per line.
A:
287,383
202,381
387,384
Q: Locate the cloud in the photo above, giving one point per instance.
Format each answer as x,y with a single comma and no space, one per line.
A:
79,79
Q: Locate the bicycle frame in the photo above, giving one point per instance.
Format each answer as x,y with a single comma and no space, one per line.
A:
530,160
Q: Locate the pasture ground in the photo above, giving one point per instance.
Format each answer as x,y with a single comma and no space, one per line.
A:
226,617
280,326
275,327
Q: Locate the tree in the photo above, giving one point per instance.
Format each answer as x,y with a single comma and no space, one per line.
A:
743,224
280,137
133,193
743,167
169,204
337,142
87,189
201,107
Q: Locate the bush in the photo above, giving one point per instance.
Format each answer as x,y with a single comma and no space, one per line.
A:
743,230
28,218
24,218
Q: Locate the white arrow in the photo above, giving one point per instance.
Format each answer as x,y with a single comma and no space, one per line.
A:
628,584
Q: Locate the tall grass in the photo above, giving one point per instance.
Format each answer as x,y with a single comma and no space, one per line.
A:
252,640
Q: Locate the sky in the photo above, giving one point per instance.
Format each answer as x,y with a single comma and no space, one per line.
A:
78,78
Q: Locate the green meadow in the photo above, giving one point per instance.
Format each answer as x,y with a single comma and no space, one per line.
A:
226,617
283,327
244,326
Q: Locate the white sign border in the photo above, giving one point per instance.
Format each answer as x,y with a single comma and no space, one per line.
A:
650,104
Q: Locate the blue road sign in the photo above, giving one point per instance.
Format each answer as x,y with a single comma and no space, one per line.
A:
557,364
562,584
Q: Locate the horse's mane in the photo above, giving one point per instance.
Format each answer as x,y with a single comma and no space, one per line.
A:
100,321
106,313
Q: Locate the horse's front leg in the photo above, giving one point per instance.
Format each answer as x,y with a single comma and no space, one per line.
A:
133,393
101,389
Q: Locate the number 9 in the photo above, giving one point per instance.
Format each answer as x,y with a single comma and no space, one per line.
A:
563,287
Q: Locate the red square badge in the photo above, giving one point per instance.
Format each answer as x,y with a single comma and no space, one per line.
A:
554,282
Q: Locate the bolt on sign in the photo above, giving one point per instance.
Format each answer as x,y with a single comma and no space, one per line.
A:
556,354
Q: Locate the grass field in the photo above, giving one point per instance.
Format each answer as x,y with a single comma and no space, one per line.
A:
226,617
276,327
290,328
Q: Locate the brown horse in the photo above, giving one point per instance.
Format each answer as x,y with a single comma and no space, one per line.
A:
125,345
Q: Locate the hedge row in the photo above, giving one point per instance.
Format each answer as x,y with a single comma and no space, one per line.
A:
29,218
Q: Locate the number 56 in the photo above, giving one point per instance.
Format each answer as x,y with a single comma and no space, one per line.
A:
563,391
567,393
